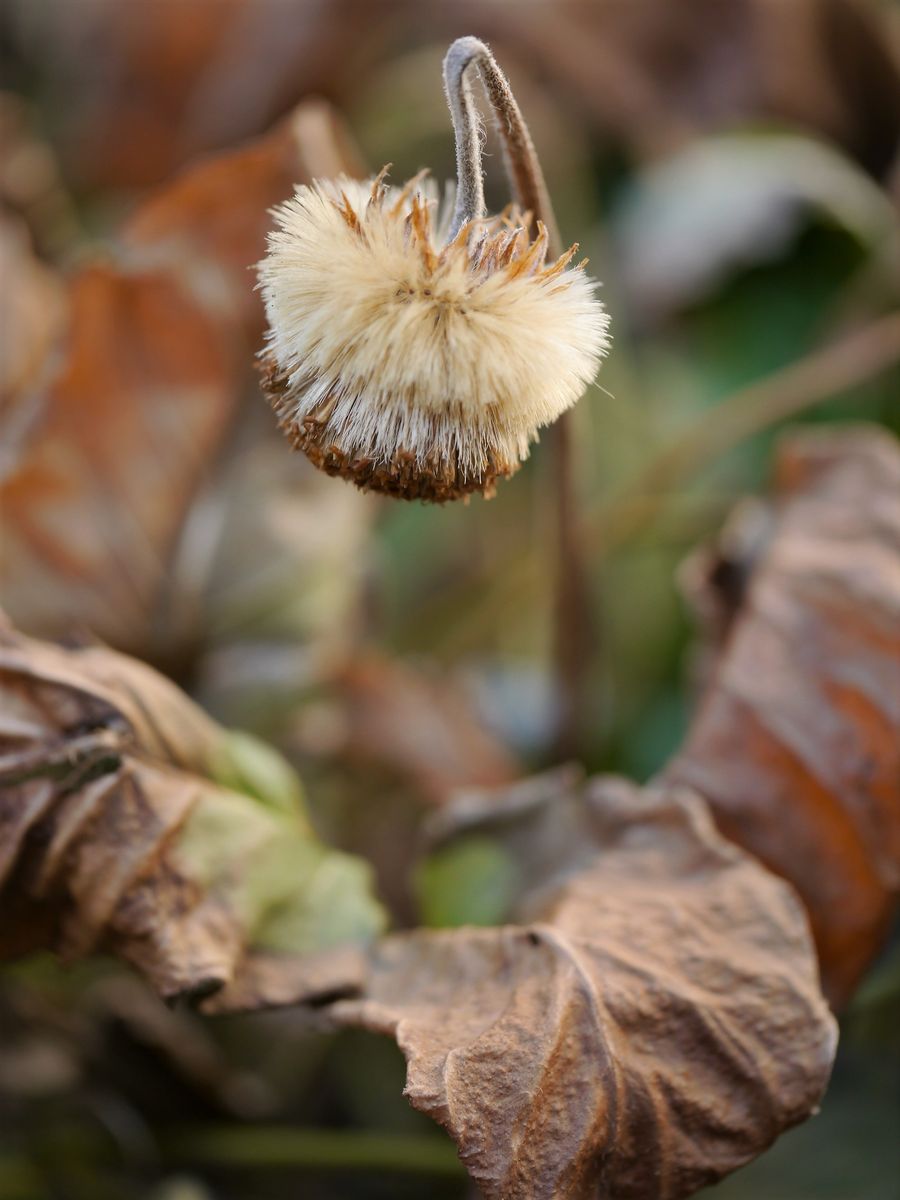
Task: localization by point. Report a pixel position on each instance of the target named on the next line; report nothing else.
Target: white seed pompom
(413, 367)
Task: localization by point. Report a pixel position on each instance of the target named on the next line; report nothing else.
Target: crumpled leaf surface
(796, 745)
(652, 1023)
(106, 516)
(115, 834)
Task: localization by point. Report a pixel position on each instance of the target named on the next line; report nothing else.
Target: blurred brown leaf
(654, 1023)
(654, 74)
(92, 503)
(125, 435)
(797, 742)
(181, 79)
(30, 182)
(403, 738)
(115, 835)
(416, 724)
(208, 225)
(32, 312)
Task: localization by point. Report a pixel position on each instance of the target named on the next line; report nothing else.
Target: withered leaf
(115, 834)
(208, 224)
(654, 1022)
(104, 491)
(796, 745)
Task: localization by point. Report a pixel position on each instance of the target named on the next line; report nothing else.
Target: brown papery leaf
(797, 742)
(131, 823)
(122, 438)
(655, 1022)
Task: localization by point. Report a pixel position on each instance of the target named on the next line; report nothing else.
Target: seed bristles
(391, 354)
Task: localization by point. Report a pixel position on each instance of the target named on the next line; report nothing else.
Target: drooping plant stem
(523, 167)
(573, 625)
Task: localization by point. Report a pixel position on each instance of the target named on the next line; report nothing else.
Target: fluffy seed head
(414, 365)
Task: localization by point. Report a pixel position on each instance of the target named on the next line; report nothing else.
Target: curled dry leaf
(654, 1022)
(797, 742)
(105, 517)
(116, 832)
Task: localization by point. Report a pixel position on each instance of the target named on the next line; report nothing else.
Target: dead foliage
(131, 823)
(116, 446)
(648, 1015)
(796, 745)
(650, 1022)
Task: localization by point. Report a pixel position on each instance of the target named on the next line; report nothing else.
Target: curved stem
(522, 165)
(573, 621)
(470, 204)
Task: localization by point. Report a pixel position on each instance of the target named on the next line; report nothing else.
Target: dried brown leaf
(797, 742)
(655, 1022)
(123, 435)
(207, 226)
(115, 835)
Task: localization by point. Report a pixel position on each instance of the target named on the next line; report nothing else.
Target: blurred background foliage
(732, 171)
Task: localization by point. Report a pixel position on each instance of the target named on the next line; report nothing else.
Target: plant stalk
(573, 626)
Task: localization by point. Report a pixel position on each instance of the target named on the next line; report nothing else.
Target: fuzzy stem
(470, 204)
(522, 165)
(573, 625)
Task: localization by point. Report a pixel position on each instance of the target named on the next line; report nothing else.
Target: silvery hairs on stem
(416, 347)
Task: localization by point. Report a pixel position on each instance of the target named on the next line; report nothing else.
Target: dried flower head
(417, 351)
